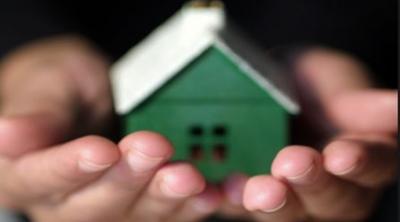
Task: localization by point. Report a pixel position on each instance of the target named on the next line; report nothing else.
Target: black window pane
(220, 130)
(219, 152)
(196, 130)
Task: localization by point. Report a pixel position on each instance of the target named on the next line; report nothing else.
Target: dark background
(364, 28)
(368, 29)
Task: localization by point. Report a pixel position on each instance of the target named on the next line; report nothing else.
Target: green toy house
(209, 90)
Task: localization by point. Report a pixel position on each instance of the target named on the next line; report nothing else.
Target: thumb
(37, 108)
(322, 76)
(367, 111)
(42, 97)
(326, 73)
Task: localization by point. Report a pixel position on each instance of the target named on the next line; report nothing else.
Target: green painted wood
(216, 117)
(212, 76)
(254, 134)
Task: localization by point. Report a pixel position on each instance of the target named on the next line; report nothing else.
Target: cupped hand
(347, 157)
(52, 92)
(57, 89)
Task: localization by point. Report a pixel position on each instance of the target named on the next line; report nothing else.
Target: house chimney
(206, 3)
(204, 15)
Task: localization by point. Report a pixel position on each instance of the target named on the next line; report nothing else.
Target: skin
(54, 91)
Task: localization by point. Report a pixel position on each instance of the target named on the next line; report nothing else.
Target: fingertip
(181, 180)
(37, 129)
(145, 151)
(96, 153)
(296, 164)
(264, 193)
(65, 167)
(149, 143)
(379, 107)
(343, 157)
(208, 201)
(233, 188)
(8, 132)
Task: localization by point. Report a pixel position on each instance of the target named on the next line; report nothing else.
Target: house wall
(216, 116)
(212, 76)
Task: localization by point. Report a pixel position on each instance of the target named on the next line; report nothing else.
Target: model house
(212, 92)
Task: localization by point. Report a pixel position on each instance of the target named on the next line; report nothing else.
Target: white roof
(168, 49)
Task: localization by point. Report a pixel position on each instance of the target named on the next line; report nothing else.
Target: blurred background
(364, 28)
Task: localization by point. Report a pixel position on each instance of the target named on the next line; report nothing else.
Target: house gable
(149, 66)
(212, 76)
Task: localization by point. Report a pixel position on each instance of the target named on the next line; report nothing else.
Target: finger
(370, 163)
(366, 111)
(199, 207)
(327, 73)
(232, 207)
(321, 75)
(60, 169)
(143, 153)
(323, 195)
(170, 188)
(270, 200)
(41, 130)
(35, 109)
(44, 89)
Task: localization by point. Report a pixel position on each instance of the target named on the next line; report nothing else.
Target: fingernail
(274, 209)
(344, 164)
(306, 177)
(89, 166)
(302, 175)
(344, 171)
(167, 190)
(140, 162)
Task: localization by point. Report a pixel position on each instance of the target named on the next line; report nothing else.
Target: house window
(219, 152)
(219, 130)
(196, 130)
(196, 152)
(215, 136)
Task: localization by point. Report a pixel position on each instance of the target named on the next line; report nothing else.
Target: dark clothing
(364, 28)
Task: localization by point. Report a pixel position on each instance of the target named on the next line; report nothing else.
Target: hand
(353, 125)
(53, 91)
(113, 185)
